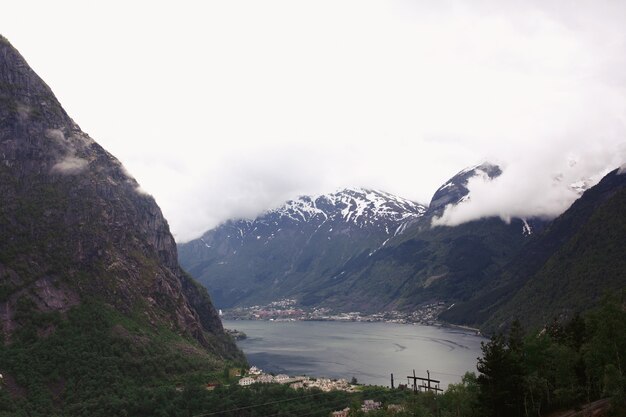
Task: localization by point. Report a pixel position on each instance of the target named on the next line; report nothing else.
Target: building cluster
(324, 384)
(267, 379)
(287, 310)
(257, 376)
(287, 302)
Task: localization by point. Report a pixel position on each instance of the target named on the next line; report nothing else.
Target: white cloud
(57, 136)
(222, 109)
(537, 183)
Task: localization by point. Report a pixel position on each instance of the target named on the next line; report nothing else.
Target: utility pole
(428, 380)
(392, 387)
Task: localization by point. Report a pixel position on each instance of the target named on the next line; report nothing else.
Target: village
(288, 310)
(257, 376)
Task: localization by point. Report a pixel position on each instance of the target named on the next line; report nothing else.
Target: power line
(443, 373)
(254, 406)
(336, 403)
(339, 401)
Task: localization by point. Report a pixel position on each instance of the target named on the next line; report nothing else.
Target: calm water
(368, 351)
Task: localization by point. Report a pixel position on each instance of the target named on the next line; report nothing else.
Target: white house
(244, 382)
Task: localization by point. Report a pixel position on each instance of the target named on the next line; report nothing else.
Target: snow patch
(526, 229)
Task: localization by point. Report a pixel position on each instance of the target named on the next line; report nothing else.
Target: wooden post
(428, 380)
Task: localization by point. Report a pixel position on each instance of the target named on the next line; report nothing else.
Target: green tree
(461, 400)
(605, 350)
(502, 373)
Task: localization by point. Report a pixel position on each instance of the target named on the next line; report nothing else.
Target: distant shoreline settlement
(288, 310)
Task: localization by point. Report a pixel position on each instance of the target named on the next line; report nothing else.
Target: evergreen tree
(502, 374)
(493, 372)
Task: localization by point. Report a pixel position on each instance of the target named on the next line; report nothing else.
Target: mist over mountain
(357, 249)
(578, 259)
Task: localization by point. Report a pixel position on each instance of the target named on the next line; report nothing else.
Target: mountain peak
(455, 189)
(355, 205)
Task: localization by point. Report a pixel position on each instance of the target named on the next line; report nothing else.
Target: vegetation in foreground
(83, 371)
(95, 361)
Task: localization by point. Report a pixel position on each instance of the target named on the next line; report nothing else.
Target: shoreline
(467, 329)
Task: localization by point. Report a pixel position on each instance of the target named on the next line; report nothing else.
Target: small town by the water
(289, 310)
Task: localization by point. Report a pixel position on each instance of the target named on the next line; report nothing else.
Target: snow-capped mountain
(358, 250)
(358, 206)
(351, 208)
(306, 236)
(339, 249)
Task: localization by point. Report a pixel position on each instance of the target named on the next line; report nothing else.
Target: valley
(339, 254)
(363, 210)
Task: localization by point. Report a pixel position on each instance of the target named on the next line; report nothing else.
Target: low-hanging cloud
(254, 104)
(70, 165)
(542, 184)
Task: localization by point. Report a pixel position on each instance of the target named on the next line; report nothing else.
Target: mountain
(92, 299)
(286, 251)
(578, 259)
(454, 191)
(426, 263)
(355, 250)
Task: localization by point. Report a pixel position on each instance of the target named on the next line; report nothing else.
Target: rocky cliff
(76, 227)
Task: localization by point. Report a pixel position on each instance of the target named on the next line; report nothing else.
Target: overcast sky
(223, 109)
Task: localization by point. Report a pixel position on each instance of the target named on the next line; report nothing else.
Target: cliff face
(74, 225)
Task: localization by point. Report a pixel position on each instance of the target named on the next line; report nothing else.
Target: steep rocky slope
(77, 234)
